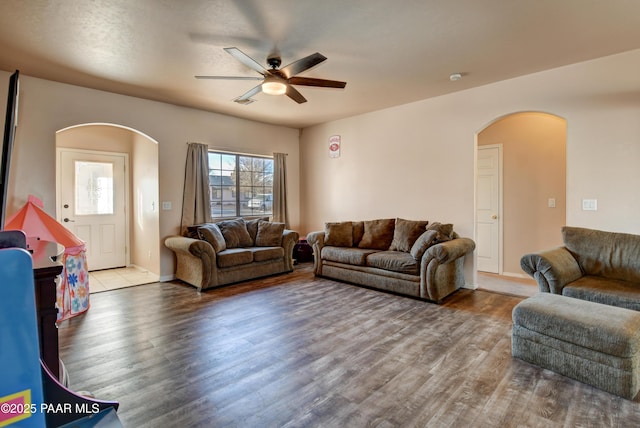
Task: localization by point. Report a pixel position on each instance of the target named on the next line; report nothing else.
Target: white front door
(92, 203)
(488, 221)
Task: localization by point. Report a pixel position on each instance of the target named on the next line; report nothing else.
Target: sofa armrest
(442, 268)
(552, 269)
(289, 240)
(316, 240)
(195, 261)
(448, 251)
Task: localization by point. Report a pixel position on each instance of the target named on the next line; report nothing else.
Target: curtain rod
(238, 153)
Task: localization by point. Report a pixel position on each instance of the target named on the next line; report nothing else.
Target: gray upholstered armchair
(594, 265)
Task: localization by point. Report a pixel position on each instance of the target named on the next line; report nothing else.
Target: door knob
(494, 217)
(66, 220)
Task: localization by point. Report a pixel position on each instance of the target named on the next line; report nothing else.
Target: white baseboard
(516, 275)
(470, 286)
(167, 278)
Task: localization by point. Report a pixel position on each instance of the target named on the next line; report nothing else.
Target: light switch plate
(166, 205)
(589, 205)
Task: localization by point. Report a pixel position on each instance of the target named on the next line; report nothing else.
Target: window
(240, 185)
(93, 188)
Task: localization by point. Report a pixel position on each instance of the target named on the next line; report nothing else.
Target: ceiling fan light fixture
(273, 86)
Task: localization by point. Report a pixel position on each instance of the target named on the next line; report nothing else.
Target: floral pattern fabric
(73, 288)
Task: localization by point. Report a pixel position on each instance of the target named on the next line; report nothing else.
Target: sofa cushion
(378, 234)
(358, 232)
(423, 242)
(405, 234)
(396, 261)
(261, 254)
(612, 292)
(252, 227)
(444, 231)
(211, 233)
(351, 256)
(235, 233)
(234, 257)
(608, 254)
(338, 234)
(602, 328)
(192, 231)
(269, 234)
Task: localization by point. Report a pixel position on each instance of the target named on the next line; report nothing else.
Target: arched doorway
(140, 249)
(531, 189)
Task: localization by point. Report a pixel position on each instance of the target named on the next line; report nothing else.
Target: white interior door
(488, 215)
(92, 203)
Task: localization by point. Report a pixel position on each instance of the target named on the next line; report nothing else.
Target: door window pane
(93, 188)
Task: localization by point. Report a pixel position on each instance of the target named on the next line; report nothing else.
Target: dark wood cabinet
(46, 269)
(302, 251)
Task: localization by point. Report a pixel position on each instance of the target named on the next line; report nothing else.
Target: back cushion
(358, 232)
(252, 227)
(608, 254)
(235, 233)
(338, 234)
(378, 234)
(211, 233)
(269, 234)
(405, 234)
(444, 232)
(423, 242)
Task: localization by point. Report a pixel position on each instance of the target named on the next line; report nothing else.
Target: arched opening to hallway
(521, 190)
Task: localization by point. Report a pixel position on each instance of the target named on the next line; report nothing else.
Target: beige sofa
(229, 251)
(397, 255)
(594, 265)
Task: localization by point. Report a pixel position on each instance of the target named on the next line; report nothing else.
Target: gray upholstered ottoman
(594, 343)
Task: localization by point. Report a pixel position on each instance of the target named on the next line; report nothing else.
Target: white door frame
(500, 201)
(59, 150)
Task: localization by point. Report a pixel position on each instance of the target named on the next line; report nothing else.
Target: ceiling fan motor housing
(274, 61)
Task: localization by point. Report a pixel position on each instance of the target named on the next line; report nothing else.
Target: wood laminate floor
(299, 351)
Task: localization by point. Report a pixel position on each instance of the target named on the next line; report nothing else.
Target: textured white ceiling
(390, 52)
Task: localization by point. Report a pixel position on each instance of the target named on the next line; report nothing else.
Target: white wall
(417, 161)
(46, 107)
(145, 219)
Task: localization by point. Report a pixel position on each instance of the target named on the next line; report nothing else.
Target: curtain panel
(196, 200)
(280, 209)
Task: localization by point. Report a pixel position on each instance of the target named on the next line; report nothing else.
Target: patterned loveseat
(402, 256)
(229, 251)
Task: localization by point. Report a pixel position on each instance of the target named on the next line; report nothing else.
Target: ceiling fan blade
(228, 77)
(245, 59)
(295, 95)
(249, 94)
(310, 81)
(303, 64)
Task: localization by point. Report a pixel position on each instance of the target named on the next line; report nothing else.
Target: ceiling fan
(278, 81)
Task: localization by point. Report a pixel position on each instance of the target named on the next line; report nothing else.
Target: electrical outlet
(552, 202)
(166, 205)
